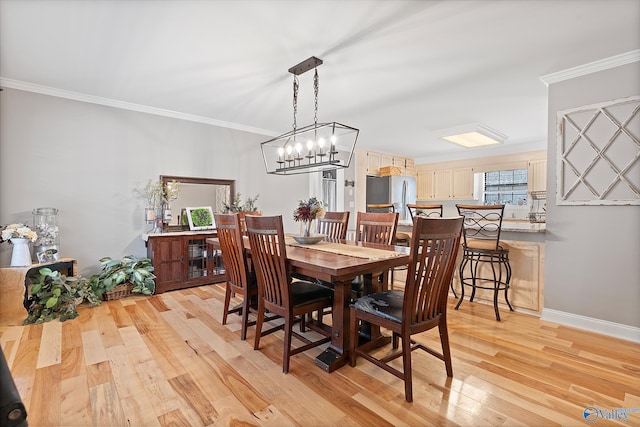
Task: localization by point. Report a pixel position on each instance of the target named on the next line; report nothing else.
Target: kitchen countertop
(517, 226)
(145, 236)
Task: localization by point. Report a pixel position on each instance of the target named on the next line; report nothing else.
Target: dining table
(338, 261)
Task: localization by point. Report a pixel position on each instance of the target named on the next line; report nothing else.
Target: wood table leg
(336, 354)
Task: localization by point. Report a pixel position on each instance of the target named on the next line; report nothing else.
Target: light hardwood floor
(167, 360)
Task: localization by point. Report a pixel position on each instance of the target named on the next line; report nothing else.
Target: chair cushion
(386, 304)
(484, 245)
(402, 237)
(303, 293)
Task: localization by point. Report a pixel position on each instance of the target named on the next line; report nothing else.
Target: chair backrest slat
(334, 225)
(232, 248)
(242, 215)
(433, 252)
(268, 252)
(376, 227)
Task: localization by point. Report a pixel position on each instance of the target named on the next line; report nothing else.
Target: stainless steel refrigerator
(399, 190)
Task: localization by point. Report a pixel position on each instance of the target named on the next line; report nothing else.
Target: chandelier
(312, 148)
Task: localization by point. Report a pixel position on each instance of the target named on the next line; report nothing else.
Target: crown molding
(76, 96)
(592, 67)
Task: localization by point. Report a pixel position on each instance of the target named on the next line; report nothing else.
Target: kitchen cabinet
(425, 185)
(462, 184)
(376, 160)
(386, 160)
(445, 184)
(183, 259)
(442, 182)
(373, 163)
(537, 171)
(527, 278)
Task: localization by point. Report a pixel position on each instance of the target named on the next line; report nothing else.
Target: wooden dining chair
(400, 238)
(240, 278)
(429, 211)
(374, 227)
(242, 215)
(334, 224)
(420, 307)
(276, 291)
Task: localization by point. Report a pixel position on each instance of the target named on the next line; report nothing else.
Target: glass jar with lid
(47, 246)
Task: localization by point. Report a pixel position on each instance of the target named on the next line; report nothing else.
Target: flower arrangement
(18, 231)
(308, 210)
(156, 195)
(237, 206)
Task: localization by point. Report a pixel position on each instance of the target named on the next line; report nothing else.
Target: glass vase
(306, 228)
(47, 245)
(157, 221)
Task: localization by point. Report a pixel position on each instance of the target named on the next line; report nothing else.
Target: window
(507, 187)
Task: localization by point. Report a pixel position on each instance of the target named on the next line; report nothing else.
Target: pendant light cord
(295, 102)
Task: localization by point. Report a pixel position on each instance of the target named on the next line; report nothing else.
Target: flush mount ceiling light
(311, 148)
(473, 135)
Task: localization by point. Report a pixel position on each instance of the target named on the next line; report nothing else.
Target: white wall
(86, 160)
(592, 252)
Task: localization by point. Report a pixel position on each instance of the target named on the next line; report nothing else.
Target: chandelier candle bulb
(320, 146)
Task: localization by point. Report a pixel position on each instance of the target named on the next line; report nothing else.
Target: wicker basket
(120, 291)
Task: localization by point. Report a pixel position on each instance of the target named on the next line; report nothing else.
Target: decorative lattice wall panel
(599, 154)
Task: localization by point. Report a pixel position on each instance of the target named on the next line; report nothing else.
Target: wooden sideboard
(183, 259)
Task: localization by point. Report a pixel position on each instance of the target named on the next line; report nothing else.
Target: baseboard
(599, 326)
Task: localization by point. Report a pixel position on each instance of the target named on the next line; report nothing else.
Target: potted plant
(121, 277)
(54, 295)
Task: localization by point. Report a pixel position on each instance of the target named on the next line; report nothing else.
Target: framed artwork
(200, 218)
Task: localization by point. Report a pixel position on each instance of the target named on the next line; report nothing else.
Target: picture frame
(200, 218)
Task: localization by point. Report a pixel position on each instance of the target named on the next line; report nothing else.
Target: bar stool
(427, 211)
(481, 245)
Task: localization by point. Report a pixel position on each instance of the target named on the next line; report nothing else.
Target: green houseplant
(138, 272)
(54, 295)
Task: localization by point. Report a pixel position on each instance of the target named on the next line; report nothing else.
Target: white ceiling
(397, 70)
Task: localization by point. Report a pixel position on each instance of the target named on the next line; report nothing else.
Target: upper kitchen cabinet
(386, 160)
(445, 184)
(425, 185)
(442, 183)
(462, 184)
(376, 160)
(537, 175)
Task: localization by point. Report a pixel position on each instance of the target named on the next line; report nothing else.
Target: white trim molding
(617, 330)
(76, 96)
(592, 67)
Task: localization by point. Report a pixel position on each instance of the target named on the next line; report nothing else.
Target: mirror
(195, 192)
